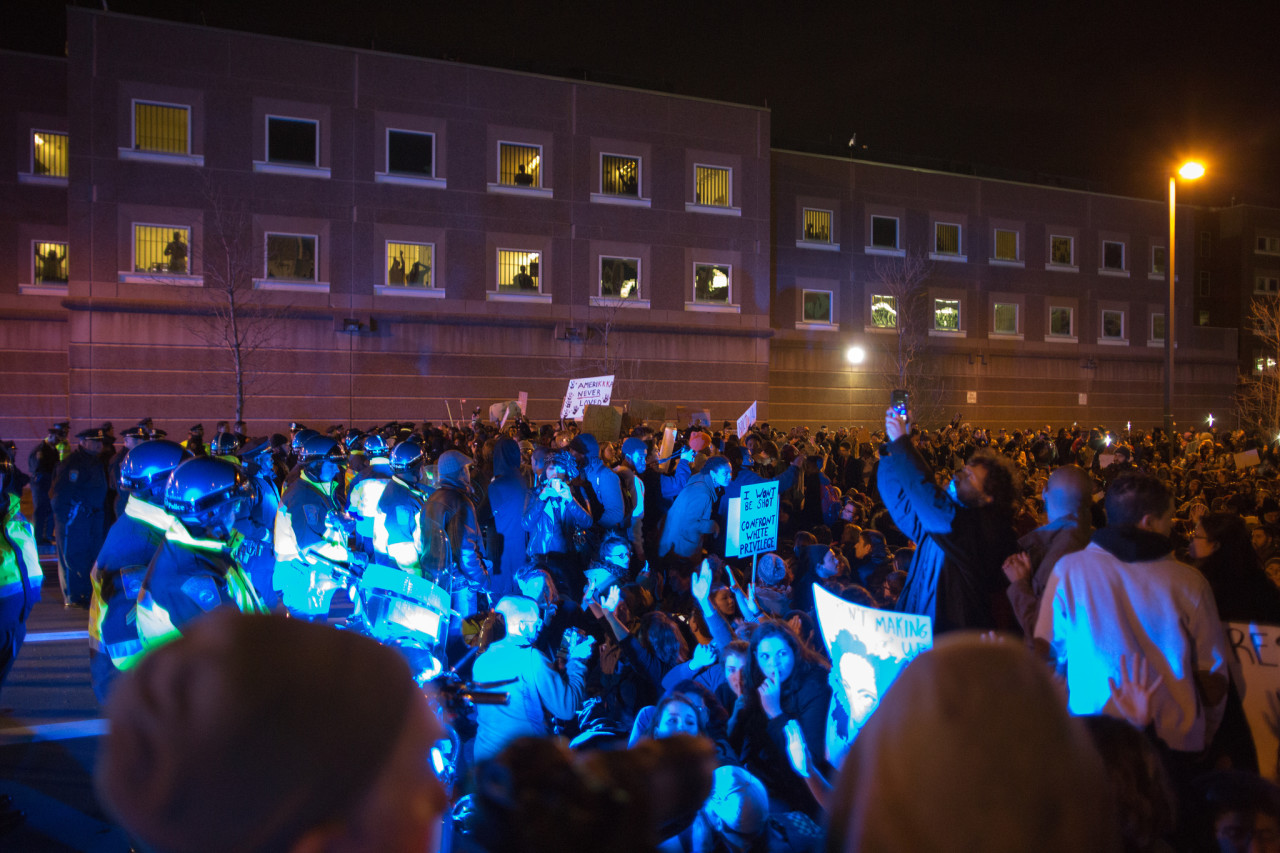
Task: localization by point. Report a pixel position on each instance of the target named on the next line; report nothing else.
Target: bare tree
(899, 301)
(1258, 392)
(233, 316)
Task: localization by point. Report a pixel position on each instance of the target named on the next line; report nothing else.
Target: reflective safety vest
(118, 586)
(306, 586)
(397, 527)
(19, 559)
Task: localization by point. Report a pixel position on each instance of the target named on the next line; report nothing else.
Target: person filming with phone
(962, 533)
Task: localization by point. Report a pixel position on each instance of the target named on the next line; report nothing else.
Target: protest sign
(604, 422)
(1257, 649)
(522, 400)
(644, 410)
(593, 390)
(700, 418)
(747, 419)
(753, 520)
(1247, 459)
(868, 649)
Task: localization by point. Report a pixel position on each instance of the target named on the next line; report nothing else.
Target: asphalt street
(50, 725)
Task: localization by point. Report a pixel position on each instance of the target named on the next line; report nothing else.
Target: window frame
(66, 259)
(699, 206)
(871, 325)
(872, 247)
(1274, 289)
(830, 322)
(1051, 264)
(1017, 319)
(1152, 271)
(1072, 336)
(831, 226)
(133, 250)
(415, 176)
(703, 304)
(1121, 270)
(959, 255)
(639, 301)
(314, 122)
(1267, 244)
(639, 196)
(533, 188)
(1204, 284)
(1103, 337)
(386, 268)
(1017, 246)
(266, 258)
(34, 177)
(133, 127)
(1152, 340)
(933, 313)
(513, 292)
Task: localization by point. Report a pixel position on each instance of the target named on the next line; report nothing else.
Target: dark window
(291, 141)
(884, 232)
(410, 153)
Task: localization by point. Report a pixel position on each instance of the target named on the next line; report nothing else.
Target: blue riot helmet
(224, 444)
(207, 493)
(316, 452)
(146, 469)
(300, 439)
(407, 459)
(258, 457)
(374, 445)
(351, 439)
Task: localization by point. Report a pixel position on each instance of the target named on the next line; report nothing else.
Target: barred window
(161, 249)
(1006, 318)
(712, 186)
(1062, 251)
(1112, 255)
(884, 311)
(519, 165)
(620, 175)
(1006, 245)
(293, 141)
(946, 315)
(711, 283)
(946, 238)
(1061, 322)
(409, 264)
(620, 278)
(816, 306)
(50, 263)
(161, 127)
(410, 153)
(291, 256)
(884, 232)
(49, 155)
(518, 271)
(817, 225)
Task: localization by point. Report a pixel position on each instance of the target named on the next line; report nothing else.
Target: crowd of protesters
(1080, 694)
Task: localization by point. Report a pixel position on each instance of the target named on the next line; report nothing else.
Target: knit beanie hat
(452, 467)
(248, 731)
(698, 441)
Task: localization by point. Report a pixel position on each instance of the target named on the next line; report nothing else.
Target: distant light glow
(1210, 419)
(1191, 170)
(855, 355)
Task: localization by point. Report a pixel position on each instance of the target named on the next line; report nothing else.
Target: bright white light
(1107, 441)
(855, 355)
(1210, 419)
(1191, 170)
(39, 139)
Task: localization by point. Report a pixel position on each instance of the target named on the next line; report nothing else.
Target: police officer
(20, 575)
(452, 508)
(114, 645)
(194, 442)
(132, 438)
(43, 464)
(79, 497)
(308, 545)
(194, 571)
(224, 446)
(255, 550)
(364, 490)
(397, 538)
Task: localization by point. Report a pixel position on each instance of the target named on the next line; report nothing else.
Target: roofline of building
(27, 55)
(408, 56)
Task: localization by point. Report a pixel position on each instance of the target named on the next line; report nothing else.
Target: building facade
(373, 237)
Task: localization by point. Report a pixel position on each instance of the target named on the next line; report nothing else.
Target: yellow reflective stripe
(243, 592)
(405, 554)
(155, 628)
(97, 609)
(285, 540)
(148, 514)
(178, 533)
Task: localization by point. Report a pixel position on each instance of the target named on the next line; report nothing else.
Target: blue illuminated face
(775, 658)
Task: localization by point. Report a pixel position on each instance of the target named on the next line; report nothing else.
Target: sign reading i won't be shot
(753, 521)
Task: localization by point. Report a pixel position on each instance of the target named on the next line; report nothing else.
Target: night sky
(1098, 95)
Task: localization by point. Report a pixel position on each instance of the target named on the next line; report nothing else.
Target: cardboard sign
(1257, 650)
(644, 410)
(522, 400)
(1246, 460)
(868, 649)
(747, 419)
(753, 520)
(593, 390)
(668, 445)
(700, 418)
(604, 422)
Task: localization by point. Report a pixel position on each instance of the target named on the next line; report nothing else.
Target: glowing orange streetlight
(1189, 171)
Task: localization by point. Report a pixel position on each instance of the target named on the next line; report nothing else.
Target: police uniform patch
(203, 591)
(314, 516)
(73, 475)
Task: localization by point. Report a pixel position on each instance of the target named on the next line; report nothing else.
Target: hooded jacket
(506, 500)
(451, 507)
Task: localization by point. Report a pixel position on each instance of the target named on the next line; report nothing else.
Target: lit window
(518, 271)
(620, 175)
(620, 278)
(1112, 255)
(49, 154)
(1269, 245)
(1113, 325)
(411, 153)
(409, 264)
(1062, 251)
(161, 127)
(1202, 318)
(816, 306)
(817, 225)
(884, 232)
(1263, 363)
(291, 257)
(50, 263)
(1268, 284)
(162, 249)
(293, 141)
(713, 186)
(1159, 260)
(1006, 245)
(946, 315)
(519, 165)
(1006, 318)
(946, 238)
(884, 311)
(1204, 282)
(1061, 322)
(711, 283)
(1157, 327)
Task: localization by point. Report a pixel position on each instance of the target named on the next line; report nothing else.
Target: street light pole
(1189, 170)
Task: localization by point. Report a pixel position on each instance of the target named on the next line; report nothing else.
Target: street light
(1188, 171)
(855, 355)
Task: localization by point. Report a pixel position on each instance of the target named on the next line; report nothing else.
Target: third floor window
(519, 165)
(163, 128)
(49, 155)
(713, 186)
(620, 175)
(293, 141)
(410, 153)
(817, 225)
(1006, 245)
